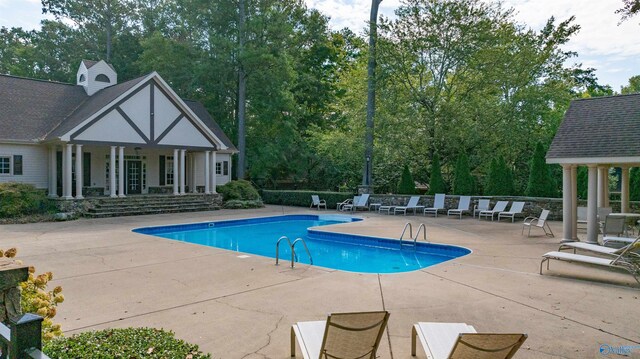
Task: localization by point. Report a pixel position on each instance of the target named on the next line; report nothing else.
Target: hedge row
(303, 198)
(19, 199)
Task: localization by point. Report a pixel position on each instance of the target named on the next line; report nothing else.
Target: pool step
(140, 205)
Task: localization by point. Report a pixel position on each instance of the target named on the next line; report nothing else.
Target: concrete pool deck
(243, 307)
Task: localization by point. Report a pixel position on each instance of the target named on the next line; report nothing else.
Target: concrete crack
(268, 340)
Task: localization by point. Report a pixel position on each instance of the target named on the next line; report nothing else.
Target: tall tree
(463, 180)
(632, 87)
(242, 90)
(629, 9)
(371, 93)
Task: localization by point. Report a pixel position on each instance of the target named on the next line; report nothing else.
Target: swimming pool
(347, 252)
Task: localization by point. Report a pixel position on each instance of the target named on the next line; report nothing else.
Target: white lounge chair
(342, 335)
(413, 204)
(438, 204)
(463, 206)
(361, 202)
(622, 260)
(499, 207)
(348, 201)
(540, 222)
(460, 340)
(516, 208)
(386, 208)
(317, 202)
(596, 248)
(483, 205)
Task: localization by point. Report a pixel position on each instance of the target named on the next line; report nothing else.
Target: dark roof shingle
(599, 127)
(204, 115)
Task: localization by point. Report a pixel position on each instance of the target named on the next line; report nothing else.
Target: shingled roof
(601, 127)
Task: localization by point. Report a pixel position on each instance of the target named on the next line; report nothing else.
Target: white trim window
(222, 168)
(168, 171)
(219, 168)
(5, 165)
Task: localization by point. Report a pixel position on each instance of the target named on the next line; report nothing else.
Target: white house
(99, 137)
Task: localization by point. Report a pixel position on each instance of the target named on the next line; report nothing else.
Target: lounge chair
(438, 204)
(499, 207)
(348, 201)
(614, 227)
(460, 340)
(596, 248)
(483, 205)
(463, 206)
(317, 202)
(386, 208)
(413, 204)
(624, 260)
(342, 335)
(516, 208)
(540, 222)
(361, 202)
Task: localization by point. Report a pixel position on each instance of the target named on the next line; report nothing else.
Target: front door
(134, 177)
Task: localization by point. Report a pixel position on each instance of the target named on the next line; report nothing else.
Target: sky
(612, 49)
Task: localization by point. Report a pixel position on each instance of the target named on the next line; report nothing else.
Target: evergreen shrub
(238, 190)
(436, 182)
(541, 183)
(406, 185)
(19, 199)
(463, 180)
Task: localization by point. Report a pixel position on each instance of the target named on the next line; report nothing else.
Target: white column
(182, 170)
(66, 177)
(592, 206)
(121, 171)
(624, 190)
(176, 178)
(194, 172)
(567, 195)
(112, 173)
(207, 174)
(606, 188)
(79, 172)
(213, 172)
(574, 202)
(53, 172)
(601, 187)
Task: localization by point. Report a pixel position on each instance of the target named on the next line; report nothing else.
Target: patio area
(243, 307)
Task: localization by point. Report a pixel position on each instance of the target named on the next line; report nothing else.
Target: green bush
(463, 182)
(239, 204)
(406, 185)
(541, 184)
(500, 179)
(436, 182)
(19, 199)
(302, 198)
(238, 190)
(123, 343)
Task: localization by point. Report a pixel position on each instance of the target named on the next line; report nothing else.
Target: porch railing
(22, 339)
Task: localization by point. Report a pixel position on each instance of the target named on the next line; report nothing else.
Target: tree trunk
(371, 94)
(242, 92)
(109, 31)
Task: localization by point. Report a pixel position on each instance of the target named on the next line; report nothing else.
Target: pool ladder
(422, 229)
(294, 257)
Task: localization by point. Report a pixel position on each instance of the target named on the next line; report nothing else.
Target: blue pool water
(346, 252)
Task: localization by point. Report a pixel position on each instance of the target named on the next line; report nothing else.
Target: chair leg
(413, 341)
(293, 343)
(541, 263)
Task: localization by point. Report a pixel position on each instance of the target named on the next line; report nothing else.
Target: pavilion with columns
(599, 133)
(104, 138)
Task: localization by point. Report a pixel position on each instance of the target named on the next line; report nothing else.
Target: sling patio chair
(540, 222)
(342, 335)
(516, 208)
(596, 248)
(413, 204)
(361, 202)
(499, 207)
(438, 204)
(613, 230)
(624, 259)
(460, 340)
(348, 201)
(483, 205)
(317, 202)
(463, 206)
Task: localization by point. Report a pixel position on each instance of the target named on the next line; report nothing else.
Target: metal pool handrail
(422, 228)
(293, 253)
(305, 247)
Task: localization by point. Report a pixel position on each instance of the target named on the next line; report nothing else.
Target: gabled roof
(204, 115)
(89, 64)
(600, 127)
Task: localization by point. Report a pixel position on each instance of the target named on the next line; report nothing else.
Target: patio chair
(596, 248)
(483, 205)
(342, 335)
(516, 208)
(460, 340)
(540, 222)
(362, 202)
(438, 204)
(348, 201)
(582, 217)
(624, 260)
(463, 206)
(614, 226)
(499, 207)
(386, 208)
(317, 202)
(413, 204)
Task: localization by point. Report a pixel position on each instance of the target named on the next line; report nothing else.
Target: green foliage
(123, 343)
(406, 185)
(463, 180)
(436, 182)
(19, 199)
(633, 86)
(302, 198)
(582, 179)
(238, 190)
(634, 184)
(541, 184)
(238, 204)
(499, 182)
